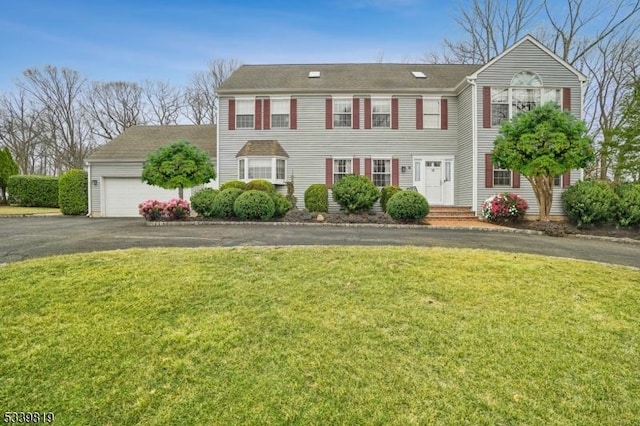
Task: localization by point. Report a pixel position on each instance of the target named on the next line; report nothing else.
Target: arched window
(526, 78)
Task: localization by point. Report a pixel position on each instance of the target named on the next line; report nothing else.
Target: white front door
(433, 178)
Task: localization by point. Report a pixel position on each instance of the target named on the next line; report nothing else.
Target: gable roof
(262, 148)
(347, 78)
(137, 142)
(542, 47)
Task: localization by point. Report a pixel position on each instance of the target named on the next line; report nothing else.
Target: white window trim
(253, 112)
(274, 168)
(424, 113)
(390, 160)
(333, 167)
(388, 100)
(334, 113)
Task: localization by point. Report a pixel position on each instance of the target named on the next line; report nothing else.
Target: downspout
(89, 189)
(583, 89)
(217, 185)
(474, 141)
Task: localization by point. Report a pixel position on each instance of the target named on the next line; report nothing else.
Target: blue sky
(170, 39)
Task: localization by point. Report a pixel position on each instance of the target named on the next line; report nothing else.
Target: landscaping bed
(563, 228)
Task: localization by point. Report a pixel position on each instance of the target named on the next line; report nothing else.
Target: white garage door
(122, 196)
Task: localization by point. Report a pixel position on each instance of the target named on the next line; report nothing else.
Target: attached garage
(115, 169)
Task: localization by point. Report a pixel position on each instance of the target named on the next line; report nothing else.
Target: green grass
(320, 336)
(22, 211)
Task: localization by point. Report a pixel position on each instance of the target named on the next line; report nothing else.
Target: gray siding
(526, 57)
(463, 191)
(311, 143)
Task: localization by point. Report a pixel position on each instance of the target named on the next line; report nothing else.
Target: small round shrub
(590, 202)
(254, 205)
(72, 192)
(233, 184)
(203, 200)
(504, 207)
(281, 203)
(355, 193)
(261, 185)
(177, 208)
(223, 204)
(407, 205)
(152, 209)
(385, 194)
(316, 198)
(628, 211)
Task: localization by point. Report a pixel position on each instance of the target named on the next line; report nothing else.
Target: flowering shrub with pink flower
(504, 207)
(177, 208)
(152, 209)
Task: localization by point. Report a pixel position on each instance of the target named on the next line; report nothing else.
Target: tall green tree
(8, 168)
(541, 144)
(627, 136)
(178, 165)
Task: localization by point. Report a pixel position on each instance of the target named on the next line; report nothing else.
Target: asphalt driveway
(29, 237)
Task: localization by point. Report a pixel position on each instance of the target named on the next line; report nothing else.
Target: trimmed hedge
(355, 193)
(316, 198)
(233, 184)
(33, 190)
(253, 205)
(73, 193)
(590, 202)
(408, 205)
(385, 195)
(223, 204)
(282, 205)
(202, 201)
(261, 185)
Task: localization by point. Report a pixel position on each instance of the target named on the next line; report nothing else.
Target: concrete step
(451, 213)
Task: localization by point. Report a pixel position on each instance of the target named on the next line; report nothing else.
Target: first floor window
(268, 168)
(341, 168)
(381, 172)
(557, 180)
(280, 113)
(431, 112)
(342, 113)
(501, 177)
(245, 109)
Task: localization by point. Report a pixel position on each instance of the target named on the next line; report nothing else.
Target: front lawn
(26, 211)
(320, 336)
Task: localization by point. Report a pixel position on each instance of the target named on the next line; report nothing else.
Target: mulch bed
(561, 229)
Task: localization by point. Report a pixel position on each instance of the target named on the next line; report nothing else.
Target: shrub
(282, 205)
(238, 184)
(261, 185)
(504, 207)
(316, 198)
(223, 204)
(203, 200)
(407, 205)
(291, 193)
(33, 190)
(628, 211)
(590, 202)
(254, 204)
(385, 194)
(355, 193)
(177, 208)
(72, 192)
(152, 209)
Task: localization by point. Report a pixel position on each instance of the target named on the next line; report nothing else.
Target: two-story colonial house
(428, 127)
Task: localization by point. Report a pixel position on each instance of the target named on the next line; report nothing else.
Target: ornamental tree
(8, 168)
(540, 144)
(179, 165)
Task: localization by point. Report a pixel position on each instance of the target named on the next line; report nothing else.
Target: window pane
(499, 113)
(526, 78)
(280, 121)
(244, 121)
(381, 173)
(551, 95)
(342, 120)
(280, 106)
(245, 107)
(525, 100)
(431, 122)
(280, 169)
(431, 106)
(501, 177)
(342, 113)
(241, 174)
(416, 171)
(381, 106)
(341, 168)
(259, 168)
(381, 120)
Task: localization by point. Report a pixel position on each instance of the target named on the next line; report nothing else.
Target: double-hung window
(431, 113)
(501, 177)
(381, 113)
(245, 108)
(342, 112)
(279, 113)
(341, 168)
(381, 172)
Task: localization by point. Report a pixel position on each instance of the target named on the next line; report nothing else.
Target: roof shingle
(262, 148)
(137, 142)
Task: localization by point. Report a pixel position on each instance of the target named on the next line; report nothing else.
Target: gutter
(474, 138)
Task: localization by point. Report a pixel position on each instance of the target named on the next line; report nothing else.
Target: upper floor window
(526, 78)
(245, 109)
(381, 113)
(431, 113)
(280, 113)
(342, 112)
(341, 168)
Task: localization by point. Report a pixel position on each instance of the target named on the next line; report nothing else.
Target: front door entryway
(433, 178)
